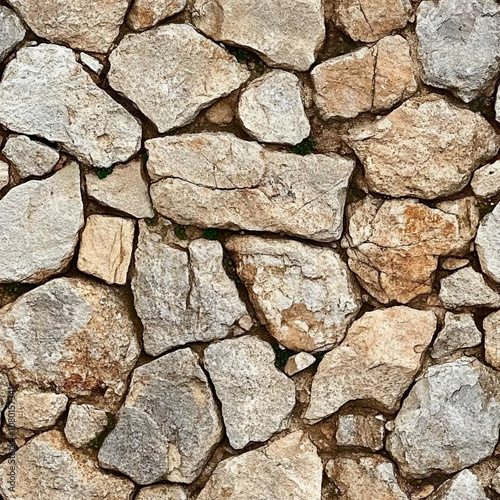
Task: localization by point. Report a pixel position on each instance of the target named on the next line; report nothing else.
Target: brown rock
(364, 431)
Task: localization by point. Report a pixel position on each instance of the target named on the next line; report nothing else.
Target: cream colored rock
(454, 263)
(106, 248)
(377, 361)
(418, 149)
(488, 244)
(172, 72)
(464, 485)
(147, 13)
(286, 35)
(84, 424)
(491, 327)
(370, 79)
(162, 492)
(4, 174)
(91, 62)
(298, 363)
(486, 180)
(12, 31)
(363, 431)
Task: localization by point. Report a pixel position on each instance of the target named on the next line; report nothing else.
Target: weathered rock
(369, 20)
(454, 263)
(495, 482)
(172, 72)
(369, 79)
(45, 92)
(182, 296)
(364, 431)
(284, 34)
(257, 399)
(84, 424)
(4, 174)
(491, 327)
(459, 331)
(73, 336)
(467, 288)
(91, 62)
(306, 296)
(359, 477)
(82, 24)
(223, 111)
(449, 421)
(169, 424)
(5, 391)
(125, 189)
(39, 225)
(486, 180)
(271, 109)
(48, 469)
(162, 492)
(464, 485)
(418, 149)
(394, 245)
(146, 13)
(377, 361)
(298, 363)
(286, 468)
(459, 45)
(488, 244)
(225, 182)
(12, 31)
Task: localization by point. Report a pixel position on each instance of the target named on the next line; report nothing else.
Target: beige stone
(486, 180)
(4, 174)
(364, 431)
(84, 423)
(147, 13)
(222, 112)
(298, 363)
(491, 327)
(162, 492)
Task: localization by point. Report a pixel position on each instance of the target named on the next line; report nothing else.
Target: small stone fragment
(488, 244)
(146, 13)
(454, 263)
(12, 31)
(4, 175)
(465, 485)
(5, 391)
(286, 468)
(298, 363)
(84, 424)
(486, 180)
(364, 431)
(91, 62)
(172, 72)
(257, 399)
(495, 482)
(491, 327)
(162, 492)
(222, 112)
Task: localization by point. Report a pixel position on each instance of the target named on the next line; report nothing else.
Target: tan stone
(491, 327)
(364, 431)
(162, 492)
(298, 362)
(84, 423)
(147, 13)
(222, 112)
(486, 180)
(4, 174)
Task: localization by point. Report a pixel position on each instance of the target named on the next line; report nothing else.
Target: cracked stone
(162, 492)
(147, 13)
(12, 31)
(488, 244)
(298, 363)
(4, 175)
(486, 181)
(364, 431)
(464, 485)
(84, 424)
(491, 325)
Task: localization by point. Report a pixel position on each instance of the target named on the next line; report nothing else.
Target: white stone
(91, 62)
(491, 326)
(147, 13)
(84, 424)
(298, 363)
(465, 485)
(12, 31)
(486, 180)
(4, 174)
(488, 244)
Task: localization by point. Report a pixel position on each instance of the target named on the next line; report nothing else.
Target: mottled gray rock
(459, 45)
(39, 226)
(488, 244)
(84, 424)
(162, 492)
(147, 13)
(12, 31)
(486, 180)
(257, 399)
(4, 174)
(298, 362)
(172, 72)
(169, 424)
(465, 485)
(364, 431)
(45, 92)
(449, 421)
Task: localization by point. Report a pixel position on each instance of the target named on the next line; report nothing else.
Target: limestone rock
(284, 34)
(84, 424)
(4, 174)
(182, 296)
(90, 25)
(491, 327)
(370, 79)
(363, 431)
(91, 62)
(486, 180)
(271, 109)
(377, 361)
(5, 391)
(39, 225)
(47, 468)
(305, 296)
(298, 363)
(369, 20)
(450, 419)
(162, 492)
(418, 149)
(45, 92)
(459, 45)
(72, 336)
(459, 331)
(220, 181)
(257, 399)
(12, 31)
(286, 468)
(169, 424)
(464, 485)
(172, 72)
(488, 244)
(146, 13)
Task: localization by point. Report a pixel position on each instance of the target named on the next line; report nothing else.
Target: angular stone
(82, 24)
(418, 149)
(47, 468)
(172, 72)
(305, 296)
(284, 34)
(366, 80)
(4, 174)
(364, 431)
(488, 244)
(450, 419)
(91, 62)
(162, 492)
(45, 92)
(125, 189)
(12, 31)
(454, 263)
(459, 45)
(286, 468)
(377, 361)
(486, 180)
(5, 391)
(257, 399)
(39, 225)
(233, 184)
(182, 296)
(298, 363)
(464, 485)
(72, 336)
(146, 13)
(495, 482)
(84, 424)
(169, 424)
(491, 325)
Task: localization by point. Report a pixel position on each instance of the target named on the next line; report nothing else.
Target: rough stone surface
(488, 244)
(84, 424)
(162, 492)
(364, 431)
(194, 72)
(220, 181)
(284, 34)
(45, 92)
(91, 62)
(5, 394)
(298, 363)
(48, 469)
(305, 295)
(491, 325)
(449, 420)
(146, 13)
(418, 149)
(459, 45)
(169, 424)
(486, 180)
(12, 31)
(286, 468)
(4, 174)
(377, 361)
(70, 335)
(366, 80)
(257, 399)
(465, 485)
(39, 225)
